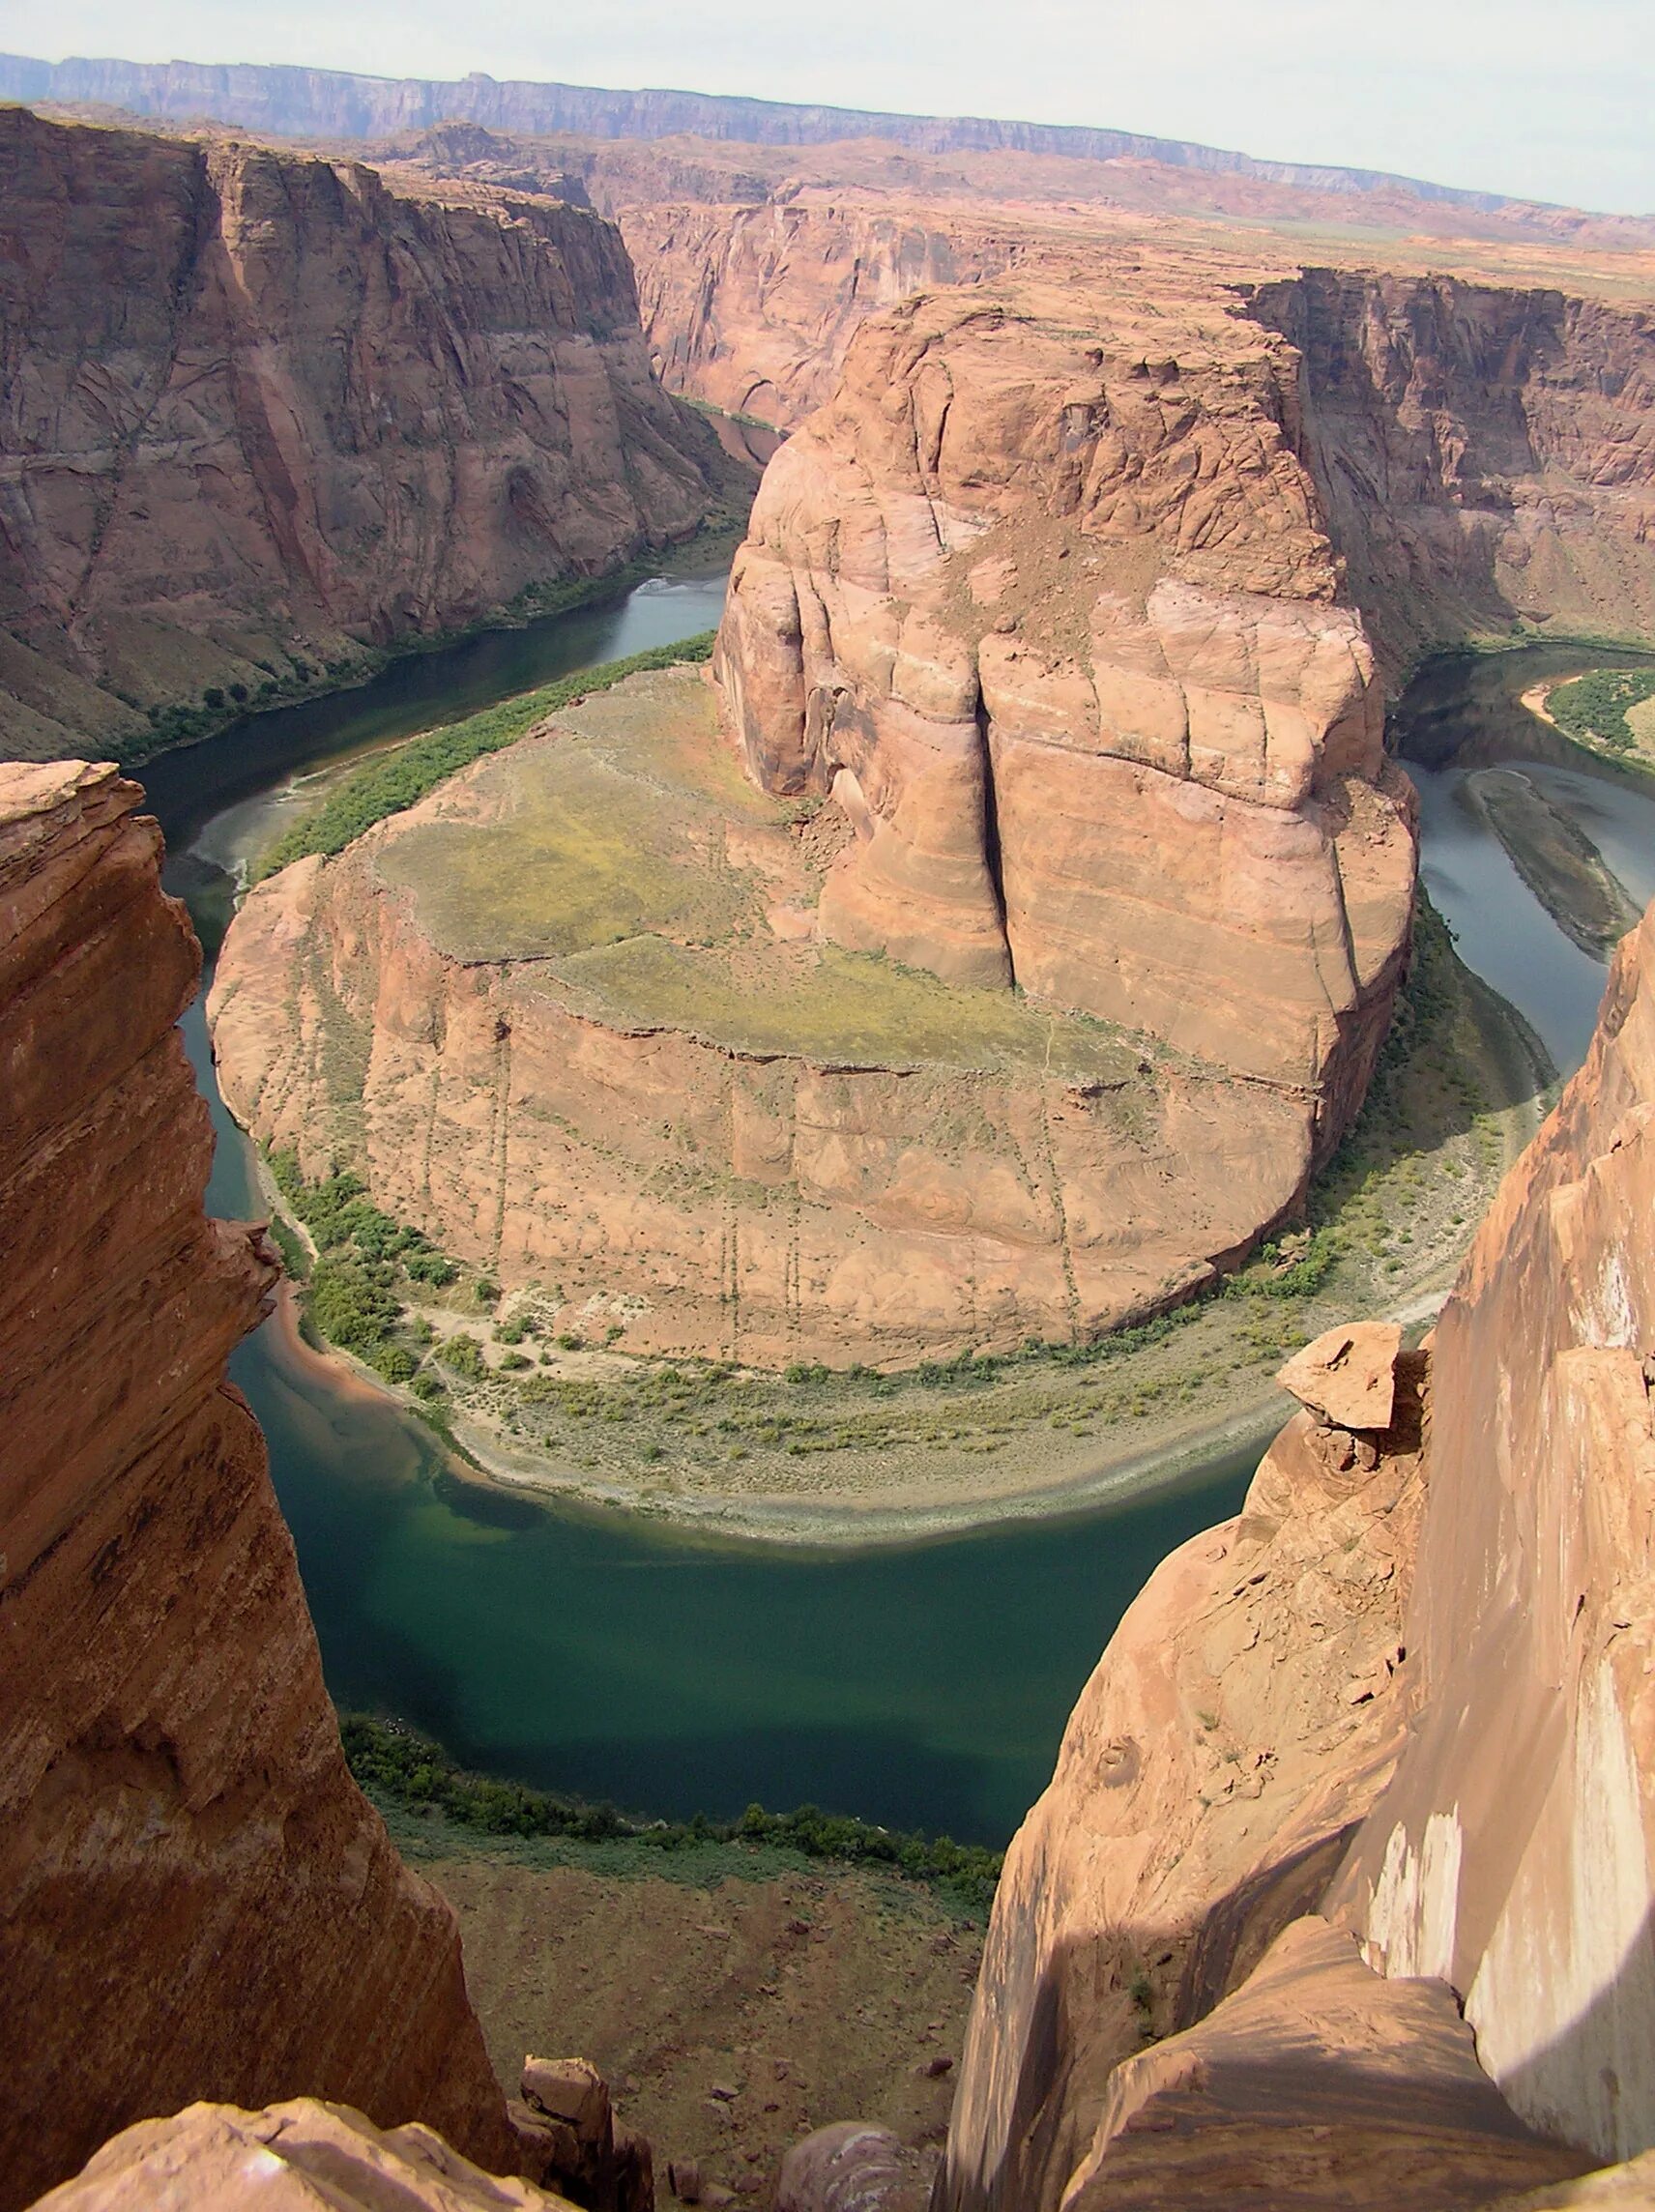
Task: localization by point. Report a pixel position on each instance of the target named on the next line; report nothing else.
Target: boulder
(1347, 1377)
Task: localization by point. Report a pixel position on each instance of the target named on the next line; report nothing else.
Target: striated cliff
(195, 1900)
(753, 307)
(261, 413)
(1043, 601)
(1483, 452)
(575, 1015)
(1405, 1695)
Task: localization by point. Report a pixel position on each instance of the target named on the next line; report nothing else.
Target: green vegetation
(1593, 709)
(365, 1262)
(399, 1768)
(399, 780)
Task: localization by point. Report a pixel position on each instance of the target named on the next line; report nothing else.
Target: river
(922, 1685)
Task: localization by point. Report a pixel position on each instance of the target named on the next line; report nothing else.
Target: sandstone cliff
(1511, 1853)
(195, 1900)
(571, 1017)
(1483, 452)
(1406, 1690)
(261, 413)
(1042, 600)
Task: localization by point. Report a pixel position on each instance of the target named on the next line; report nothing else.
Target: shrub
(464, 1355)
(394, 1765)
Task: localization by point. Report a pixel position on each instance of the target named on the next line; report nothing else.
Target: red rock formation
(259, 408)
(1484, 450)
(879, 1170)
(298, 2157)
(1512, 1853)
(195, 1900)
(1049, 611)
(1239, 1724)
(1435, 1716)
(1316, 2083)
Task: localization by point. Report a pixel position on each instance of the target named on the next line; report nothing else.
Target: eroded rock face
(259, 409)
(1461, 1679)
(1485, 451)
(1512, 1852)
(1239, 1724)
(304, 2156)
(195, 1900)
(767, 1147)
(1317, 2082)
(1052, 614)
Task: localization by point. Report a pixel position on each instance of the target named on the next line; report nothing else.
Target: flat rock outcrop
(262, 412)
(195, 1899)
(303, 2156)
(573, 1015)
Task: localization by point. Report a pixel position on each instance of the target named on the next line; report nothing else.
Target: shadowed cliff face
(195, 1900)
(1482, 453)
(259, 408)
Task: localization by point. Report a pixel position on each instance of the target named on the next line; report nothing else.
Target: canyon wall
(1042, 602)
(1484, 453)
(333, 102)
(1405, 1695)
(752, 309)
(261, 413)
(195, 1900)
(1512, 1851)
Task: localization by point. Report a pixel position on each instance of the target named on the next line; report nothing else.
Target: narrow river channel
(922, 1685)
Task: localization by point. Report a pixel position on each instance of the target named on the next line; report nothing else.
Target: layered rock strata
(195, 1900)
(573, 1015)
(1485, 452)
(1241, 1721)
(1043, 600)
(332, 101)
(261, 412)
(1407, 1692)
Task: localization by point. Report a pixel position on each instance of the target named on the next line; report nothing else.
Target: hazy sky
(1549, 99)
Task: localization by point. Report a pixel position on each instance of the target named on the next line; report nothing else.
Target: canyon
(992, 942)
(1062, 626)
(265, 419)
(1069, 969)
